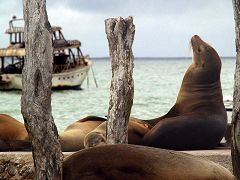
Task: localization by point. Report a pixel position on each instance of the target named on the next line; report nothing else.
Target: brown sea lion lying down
(73, 136)
(136, 131)
(13, 135)
(11, 128)
(139, 163)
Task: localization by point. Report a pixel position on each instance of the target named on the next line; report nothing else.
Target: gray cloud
(136, 6)
(163, 28)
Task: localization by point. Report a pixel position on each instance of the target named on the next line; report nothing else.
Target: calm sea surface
(156, 81)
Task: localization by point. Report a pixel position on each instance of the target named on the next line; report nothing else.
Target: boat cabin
(70, 66)
(66, 53)
(16, 33)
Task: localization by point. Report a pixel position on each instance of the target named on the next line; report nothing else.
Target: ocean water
(156, 85)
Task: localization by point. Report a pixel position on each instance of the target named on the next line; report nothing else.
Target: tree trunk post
(36, 92)
(235, 149)
(120, 34)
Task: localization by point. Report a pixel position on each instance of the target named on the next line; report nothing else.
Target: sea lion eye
(199, 49)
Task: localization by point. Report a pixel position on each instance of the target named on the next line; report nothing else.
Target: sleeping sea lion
(136, 131)
(130, 162)
(15, 145)
(13, 135)
(73, 136)
(12, 129)
(198, 120)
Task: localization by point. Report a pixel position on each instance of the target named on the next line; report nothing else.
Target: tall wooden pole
(235, 150)
(120, 34)
(36, 92)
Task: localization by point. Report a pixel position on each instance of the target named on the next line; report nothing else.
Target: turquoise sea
(157, 82)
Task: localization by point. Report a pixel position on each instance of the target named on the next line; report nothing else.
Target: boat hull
(71, 79)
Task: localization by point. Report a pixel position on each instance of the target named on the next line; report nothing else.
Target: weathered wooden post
(120, 34)
(235, 150)
(36, 92)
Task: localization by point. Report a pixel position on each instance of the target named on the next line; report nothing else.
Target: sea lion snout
(196, 38)
(201, 51)
(197, 44)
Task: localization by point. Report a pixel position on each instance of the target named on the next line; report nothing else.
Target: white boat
(70, 67)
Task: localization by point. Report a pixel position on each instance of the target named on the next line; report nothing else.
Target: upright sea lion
(198, 120)
(139, 163)
(136, 131)
(228, 135)
(73, 136)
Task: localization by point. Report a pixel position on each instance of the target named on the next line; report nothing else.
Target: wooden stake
(120, 34)
(36, 92)
(235, 149)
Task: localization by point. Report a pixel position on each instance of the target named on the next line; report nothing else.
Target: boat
(70, 66)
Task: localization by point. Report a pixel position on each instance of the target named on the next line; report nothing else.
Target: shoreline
(19, 165)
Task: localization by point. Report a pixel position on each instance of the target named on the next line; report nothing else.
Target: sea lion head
(206, 64)
(93, 139)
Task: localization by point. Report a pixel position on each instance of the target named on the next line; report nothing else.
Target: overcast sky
(163, 28)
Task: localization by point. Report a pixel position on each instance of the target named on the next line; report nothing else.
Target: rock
(11, 169)
(2, 168)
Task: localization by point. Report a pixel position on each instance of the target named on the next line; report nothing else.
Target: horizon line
(161, 57)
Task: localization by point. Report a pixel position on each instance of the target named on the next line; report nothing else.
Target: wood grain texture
(120, 34)
(36, 92)
(235, 150)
